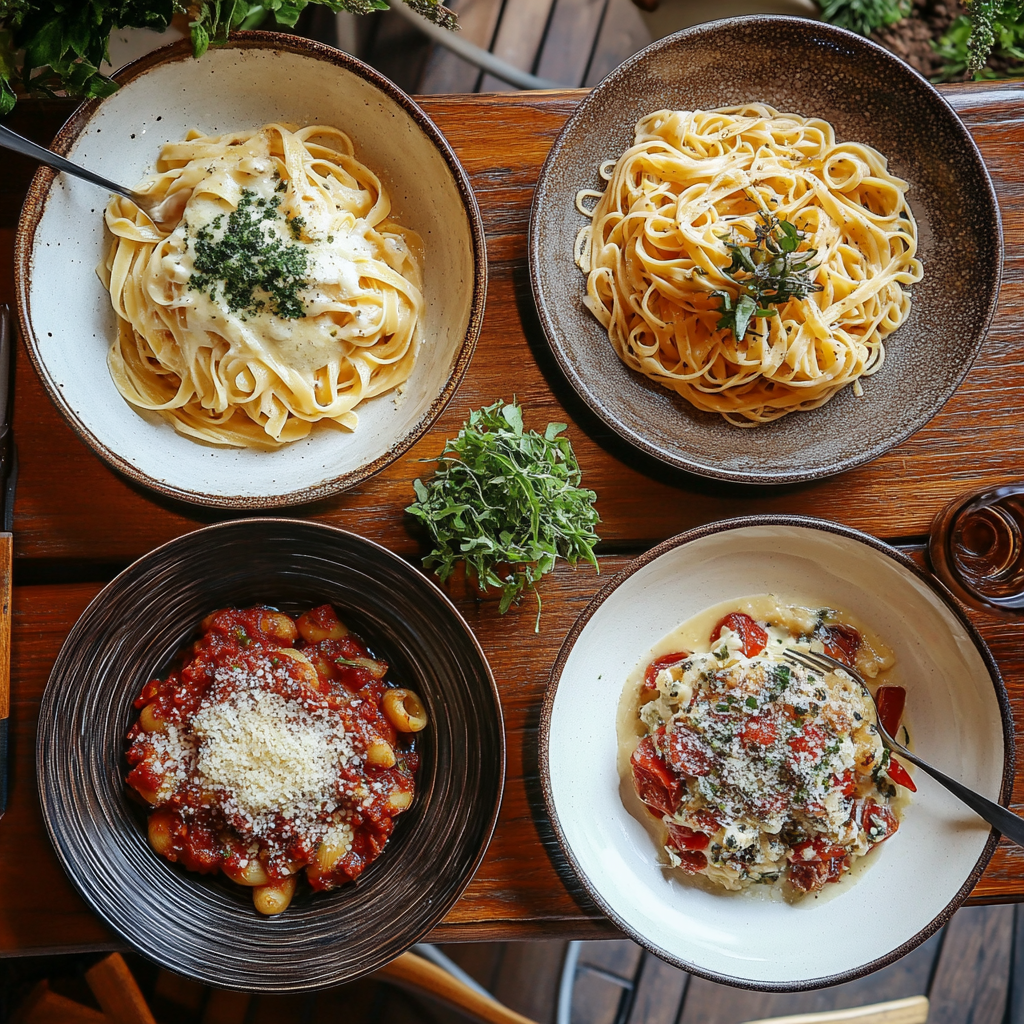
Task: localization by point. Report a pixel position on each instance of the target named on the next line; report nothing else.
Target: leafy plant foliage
(769, 272)
(507, 503)
(994, 29)
(991, 28)
(864, 16)
(65, 41)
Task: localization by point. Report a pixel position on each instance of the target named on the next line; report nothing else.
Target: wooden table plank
(447, 72)
(76, 516)
(970, 443)
(523, 888)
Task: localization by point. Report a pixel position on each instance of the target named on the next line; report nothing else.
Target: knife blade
(8, 477)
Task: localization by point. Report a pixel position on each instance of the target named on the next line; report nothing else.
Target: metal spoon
(158, 210)
(1005, 820)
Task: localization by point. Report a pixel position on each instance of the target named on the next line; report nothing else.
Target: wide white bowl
(955, 699)
(259, 77)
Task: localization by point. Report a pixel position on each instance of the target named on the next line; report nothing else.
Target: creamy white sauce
(693, 636)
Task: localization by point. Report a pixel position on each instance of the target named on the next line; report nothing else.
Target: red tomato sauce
(340, 686)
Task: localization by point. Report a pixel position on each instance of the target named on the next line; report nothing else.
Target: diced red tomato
(682, 838)
(202, 852)
(841, 642)
(754, 637)
(816, 849)
(706, 821)
(688, 753)
(810, 741)
(810, 876)
(877, 821)
(665, 661)
(845, 783)
(900, 775)
(693, 861)
(890, 701)
(814, 863)
(759, 730)
(654, 781)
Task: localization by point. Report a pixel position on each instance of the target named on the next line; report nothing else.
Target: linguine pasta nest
(655, 254)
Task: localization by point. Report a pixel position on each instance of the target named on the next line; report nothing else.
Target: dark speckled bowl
(207, 927)
(870, 96)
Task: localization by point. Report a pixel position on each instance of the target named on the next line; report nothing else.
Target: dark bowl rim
(682, 460)
(35, 205)
(825, 526)
(487, 833)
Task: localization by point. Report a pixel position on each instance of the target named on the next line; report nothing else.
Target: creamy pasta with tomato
(756, 769)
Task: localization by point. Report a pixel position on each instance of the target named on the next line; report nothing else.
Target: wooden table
(77, 523)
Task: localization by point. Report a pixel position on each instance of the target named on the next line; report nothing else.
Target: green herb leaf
(51, 45)
(506, 502)
(249, 265)
(766, 272)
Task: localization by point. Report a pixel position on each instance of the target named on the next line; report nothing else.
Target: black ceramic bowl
(206, 927)
(869, 96)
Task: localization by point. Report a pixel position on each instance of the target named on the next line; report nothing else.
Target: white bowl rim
(35, 205)
(739, 523)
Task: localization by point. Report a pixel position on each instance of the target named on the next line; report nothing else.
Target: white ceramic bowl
(259, 77)
(955, 699)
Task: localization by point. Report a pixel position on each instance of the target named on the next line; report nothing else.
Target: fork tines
(819, 662)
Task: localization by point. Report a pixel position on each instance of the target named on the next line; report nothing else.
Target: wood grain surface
(77, 520)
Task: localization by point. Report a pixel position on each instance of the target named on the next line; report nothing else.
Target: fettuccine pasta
(655, 254)
(281, 295)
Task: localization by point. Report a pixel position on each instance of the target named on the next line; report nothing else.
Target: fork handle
(1010, 824)
(26, 147)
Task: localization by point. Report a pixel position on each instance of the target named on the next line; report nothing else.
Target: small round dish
(869, 96)
(257, 78)
(955, 700)
(203, 926)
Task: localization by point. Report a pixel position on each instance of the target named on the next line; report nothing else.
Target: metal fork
(158, 210)
(996, 815)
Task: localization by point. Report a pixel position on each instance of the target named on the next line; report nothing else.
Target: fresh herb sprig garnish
(506, 502)
(251, 266)
(767, 272)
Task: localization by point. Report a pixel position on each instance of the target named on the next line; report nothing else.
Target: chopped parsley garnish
(249, 264)
(767, 273)
(296, 224)
(507, 503)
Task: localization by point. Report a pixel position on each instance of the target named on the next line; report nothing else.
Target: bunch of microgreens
(65, 41)
(507, 503)
(766, 272)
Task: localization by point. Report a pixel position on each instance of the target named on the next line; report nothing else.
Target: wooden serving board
(77, 522)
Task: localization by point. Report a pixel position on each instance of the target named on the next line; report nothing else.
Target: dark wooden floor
(972, 971)
(570, 42)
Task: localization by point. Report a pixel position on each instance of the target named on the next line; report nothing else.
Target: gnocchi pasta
(276, 746)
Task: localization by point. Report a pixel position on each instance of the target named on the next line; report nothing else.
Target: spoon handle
(11, 140)
(1010, 824)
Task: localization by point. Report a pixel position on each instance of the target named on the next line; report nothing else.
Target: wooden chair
(111, 982)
